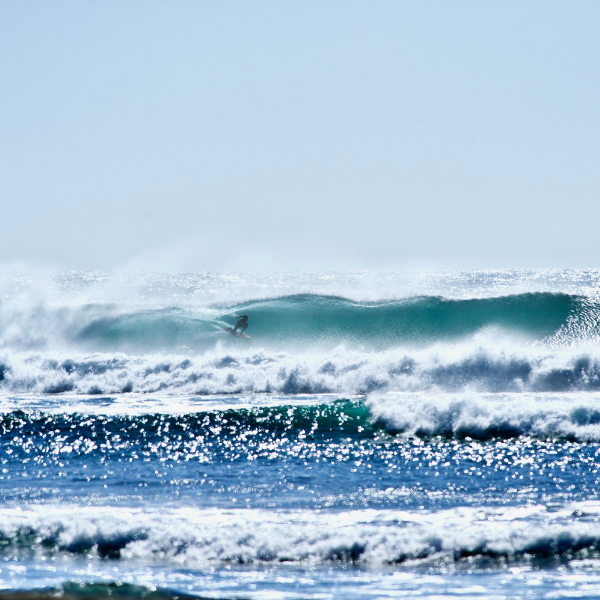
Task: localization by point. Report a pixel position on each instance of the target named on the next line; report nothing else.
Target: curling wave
(296, 322)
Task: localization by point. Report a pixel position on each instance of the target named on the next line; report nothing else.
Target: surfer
(241, 324)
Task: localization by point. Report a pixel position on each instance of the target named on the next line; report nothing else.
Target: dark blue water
(284, 456)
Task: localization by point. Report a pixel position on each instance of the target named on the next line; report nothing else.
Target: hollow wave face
(420, 320)
(297, 323)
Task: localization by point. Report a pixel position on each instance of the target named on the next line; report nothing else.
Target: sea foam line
(192, 536)
(484, 364)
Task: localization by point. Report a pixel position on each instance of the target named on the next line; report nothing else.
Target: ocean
(431, 434)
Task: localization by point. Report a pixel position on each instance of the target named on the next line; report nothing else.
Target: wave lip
(477, 537)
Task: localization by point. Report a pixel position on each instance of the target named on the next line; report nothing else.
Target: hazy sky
(300, 134)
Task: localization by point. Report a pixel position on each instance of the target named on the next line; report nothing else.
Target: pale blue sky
(300, 134)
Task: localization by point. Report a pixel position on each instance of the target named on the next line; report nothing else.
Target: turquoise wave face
(150, 331)
(415, 320)
(312, 320)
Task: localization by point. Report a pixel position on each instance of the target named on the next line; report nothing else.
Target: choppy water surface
(380, 434)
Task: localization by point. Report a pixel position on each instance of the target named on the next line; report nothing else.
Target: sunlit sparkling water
(381, 434)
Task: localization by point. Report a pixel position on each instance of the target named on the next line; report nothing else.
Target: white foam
(191, 536)
(484, 364)
(484, 416)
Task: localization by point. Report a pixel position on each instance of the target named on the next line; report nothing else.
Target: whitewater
(427, 434)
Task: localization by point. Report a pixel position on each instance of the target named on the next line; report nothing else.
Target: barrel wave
(298, 321)
(419, 320)
(306, 344)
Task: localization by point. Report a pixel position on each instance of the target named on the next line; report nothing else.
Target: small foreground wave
(108, 428)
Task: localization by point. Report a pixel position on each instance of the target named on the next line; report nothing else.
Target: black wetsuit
(241, 324)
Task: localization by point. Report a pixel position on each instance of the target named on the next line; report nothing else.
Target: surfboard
(239, 334)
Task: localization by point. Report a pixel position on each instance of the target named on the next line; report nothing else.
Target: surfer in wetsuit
(241, 324)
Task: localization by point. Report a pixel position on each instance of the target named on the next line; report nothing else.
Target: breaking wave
(483, 364)
(473, 537)
(487, 417)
